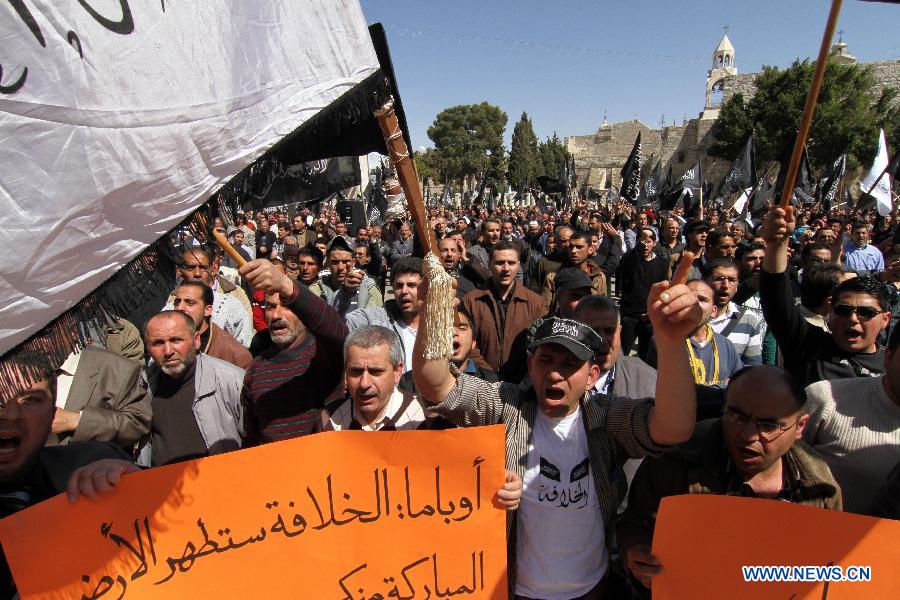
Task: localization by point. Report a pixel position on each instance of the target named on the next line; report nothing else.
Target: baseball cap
(572, 278)
(697, 226)
(340, 243)
(577, 338)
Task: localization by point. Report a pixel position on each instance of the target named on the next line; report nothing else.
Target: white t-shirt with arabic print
(560, 546)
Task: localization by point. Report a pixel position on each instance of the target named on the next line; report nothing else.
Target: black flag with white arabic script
(650, 189)
(631, 173)
(742, 174)
(831, 184)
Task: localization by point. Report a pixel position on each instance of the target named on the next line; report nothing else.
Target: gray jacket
(217, 405)
(367, 295)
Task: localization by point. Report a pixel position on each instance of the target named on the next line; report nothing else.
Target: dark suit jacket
(113, 396)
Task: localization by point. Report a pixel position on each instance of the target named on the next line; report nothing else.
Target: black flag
(759, 203)
(631, 173)
(651, 187)
(742, 174)
(377, 202)
(831, 183)
(804, 182)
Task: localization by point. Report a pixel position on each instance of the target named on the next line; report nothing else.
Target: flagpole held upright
(810, 107)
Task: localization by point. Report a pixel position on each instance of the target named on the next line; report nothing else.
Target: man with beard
(737, 323)
(754, 451)
(401, 314)
(860, 310)
(501, 312)
(490, 235)
(196, 398)
(194, 299)
(299, 366)
(578, 255)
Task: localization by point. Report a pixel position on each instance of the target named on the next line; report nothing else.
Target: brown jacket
(222, 345)
(495, 336)
(598, 283)
(702, 466)
(112, 395)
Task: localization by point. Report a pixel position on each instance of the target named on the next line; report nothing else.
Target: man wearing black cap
(568, 447)
(347, 288)
(572, 284)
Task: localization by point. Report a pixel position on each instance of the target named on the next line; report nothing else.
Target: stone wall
(600, 157)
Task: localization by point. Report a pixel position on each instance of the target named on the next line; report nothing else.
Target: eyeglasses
(723, 278)
(864, 313)
(768, 430)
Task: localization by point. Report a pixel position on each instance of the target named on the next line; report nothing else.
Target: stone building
(599, 157)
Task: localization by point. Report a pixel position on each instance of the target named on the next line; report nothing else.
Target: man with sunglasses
(754, 451)
(855, 426)
(860, 310)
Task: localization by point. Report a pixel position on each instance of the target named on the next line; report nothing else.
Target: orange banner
(344, 515)
(708, 544)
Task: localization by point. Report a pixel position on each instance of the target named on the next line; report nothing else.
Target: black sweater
(634, 278)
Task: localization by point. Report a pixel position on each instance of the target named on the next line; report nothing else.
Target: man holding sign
(753, 451)
(565, 444)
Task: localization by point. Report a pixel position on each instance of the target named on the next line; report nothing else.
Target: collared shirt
(394, 416)
(605, 382)
(863, 258)
(746, 335)
(64, 378)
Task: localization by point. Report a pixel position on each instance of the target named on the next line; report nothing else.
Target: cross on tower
(726, 28)
(840, 36)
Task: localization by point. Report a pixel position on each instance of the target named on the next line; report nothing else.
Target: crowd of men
(772, 372)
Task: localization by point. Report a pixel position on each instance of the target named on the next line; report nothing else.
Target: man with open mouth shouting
(860, 310)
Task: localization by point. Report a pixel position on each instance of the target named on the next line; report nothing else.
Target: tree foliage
(469, 138)
(848, 115)
(431, 165)
(524, 161)
(553, 155)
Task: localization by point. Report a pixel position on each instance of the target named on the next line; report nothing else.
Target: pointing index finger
(684, 268)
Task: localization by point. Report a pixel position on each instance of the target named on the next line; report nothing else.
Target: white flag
(882, 191)
(113, 134)
(742, 200)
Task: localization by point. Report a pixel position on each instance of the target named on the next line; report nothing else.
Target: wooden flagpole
(810, 107)
(406, 173)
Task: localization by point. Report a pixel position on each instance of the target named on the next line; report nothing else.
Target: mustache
(279, 323)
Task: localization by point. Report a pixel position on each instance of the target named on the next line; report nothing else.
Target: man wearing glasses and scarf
(754, 451)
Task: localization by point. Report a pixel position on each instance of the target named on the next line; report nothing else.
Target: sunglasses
(864, 313)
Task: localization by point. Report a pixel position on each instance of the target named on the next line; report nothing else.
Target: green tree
(553, 155)
(470, 140)
(848, 115)
(524, 161)
(431, 165)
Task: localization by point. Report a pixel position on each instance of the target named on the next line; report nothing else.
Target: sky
(566, 63)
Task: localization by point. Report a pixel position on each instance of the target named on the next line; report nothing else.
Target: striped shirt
(617, 430)
(746, 334)
(403, 411)
(285, 390)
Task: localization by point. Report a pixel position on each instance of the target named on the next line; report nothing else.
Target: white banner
(882, 191)
(119, 117)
